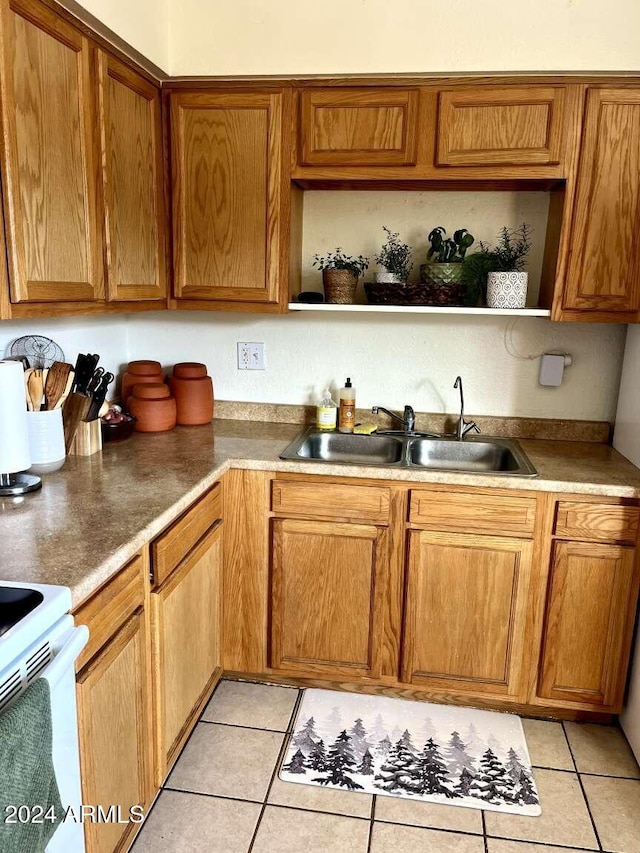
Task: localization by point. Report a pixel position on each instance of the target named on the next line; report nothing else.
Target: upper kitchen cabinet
(231, 199)
(49, 158)
(131, 139)
(511, 126)
(358, 127)
(602, 243)
(433, 132)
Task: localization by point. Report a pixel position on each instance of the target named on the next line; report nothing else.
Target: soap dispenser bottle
(347, 412)
(326, 411)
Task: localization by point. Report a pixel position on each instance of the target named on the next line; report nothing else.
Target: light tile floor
(224, 795)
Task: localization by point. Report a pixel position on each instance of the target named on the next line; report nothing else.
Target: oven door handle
(66, 657)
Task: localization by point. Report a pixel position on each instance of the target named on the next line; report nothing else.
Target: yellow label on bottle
(326, 417)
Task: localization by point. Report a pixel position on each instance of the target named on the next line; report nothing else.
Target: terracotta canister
(139, 372)
(153, 406)
(193, 391)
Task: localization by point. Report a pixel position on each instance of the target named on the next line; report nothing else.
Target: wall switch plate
(251, 356)
(552, 368)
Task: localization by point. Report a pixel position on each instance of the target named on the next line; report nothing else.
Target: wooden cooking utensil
(27, 374)
(36, 389)
(67, 389)
(56, 383)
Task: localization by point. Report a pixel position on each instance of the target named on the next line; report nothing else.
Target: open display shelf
(418, 309)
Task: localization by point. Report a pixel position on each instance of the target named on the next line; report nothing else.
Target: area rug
(416, 750)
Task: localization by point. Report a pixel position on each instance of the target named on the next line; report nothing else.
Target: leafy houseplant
(395, 257)
(503, 264)
(340, 274)
(442, 274)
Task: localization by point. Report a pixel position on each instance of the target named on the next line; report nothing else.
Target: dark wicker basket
(413, 293)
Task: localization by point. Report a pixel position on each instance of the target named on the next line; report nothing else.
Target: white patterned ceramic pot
(507, 289)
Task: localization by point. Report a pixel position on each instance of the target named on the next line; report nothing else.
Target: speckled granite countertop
(98, 511)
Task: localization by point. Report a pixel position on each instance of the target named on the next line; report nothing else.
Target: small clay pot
(137, 373)
(194, 399)
(153, 407)
(189, 370)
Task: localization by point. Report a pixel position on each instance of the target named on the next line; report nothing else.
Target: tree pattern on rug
(445, 769)
(339, 762)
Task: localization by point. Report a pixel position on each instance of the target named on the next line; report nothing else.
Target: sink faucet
(463, 426)
(408, 420)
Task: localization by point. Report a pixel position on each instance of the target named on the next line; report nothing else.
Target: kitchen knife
(85, 366)
(99, 396)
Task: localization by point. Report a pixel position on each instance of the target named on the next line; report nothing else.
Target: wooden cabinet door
(131, 139)
(466, 607)
(510, 126)
(229, 204)
(49, 160)
(604, 265)
(327, 592)
(185, 613)
(358, 127)
(116, 744)
(589, 618)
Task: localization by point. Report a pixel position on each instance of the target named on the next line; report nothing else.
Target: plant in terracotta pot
(395, 258)
(498, 272)
(340, 274)
(442, 274)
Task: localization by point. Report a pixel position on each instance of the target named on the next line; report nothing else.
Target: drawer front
(326, 500)
(171, 547)
(596, 522)
(358, 127)
(470, 513)
(517, 126)
(108, 609)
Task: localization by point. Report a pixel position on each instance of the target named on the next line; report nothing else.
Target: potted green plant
(498, 272)
(395, 257)
(340, 274)
(442, 274)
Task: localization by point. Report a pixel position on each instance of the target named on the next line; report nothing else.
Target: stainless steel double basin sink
(474, 454)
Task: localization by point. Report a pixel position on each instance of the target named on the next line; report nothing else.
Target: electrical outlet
(250, 356)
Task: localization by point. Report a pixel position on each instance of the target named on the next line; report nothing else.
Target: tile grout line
(584, 793)
(372, 817)
(240, 726)
(484, 832)
(281, 754)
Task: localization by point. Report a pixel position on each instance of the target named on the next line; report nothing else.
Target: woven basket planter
(339, 286)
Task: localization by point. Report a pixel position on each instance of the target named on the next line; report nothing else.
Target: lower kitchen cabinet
(186, 621)
(466, 605)
(589, 621)
(326, 597)
(114, 719)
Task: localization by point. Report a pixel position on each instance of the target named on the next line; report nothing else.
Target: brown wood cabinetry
(132, 168)
(186, 629)
(231, 199)
(514, 126)
(603, 274)
(327, 586)
(115, 707)
(358, 127)
(466, 605)
(50, 158)
(83, 185)
(589, 618)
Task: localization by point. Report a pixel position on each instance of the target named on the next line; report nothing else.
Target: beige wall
(142, 23)
(297, 37)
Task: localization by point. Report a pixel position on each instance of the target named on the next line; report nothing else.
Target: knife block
(87, 440)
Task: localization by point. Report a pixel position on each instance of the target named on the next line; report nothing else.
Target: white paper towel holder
(18, 484)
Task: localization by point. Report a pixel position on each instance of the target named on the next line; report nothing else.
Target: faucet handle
(469, 426)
